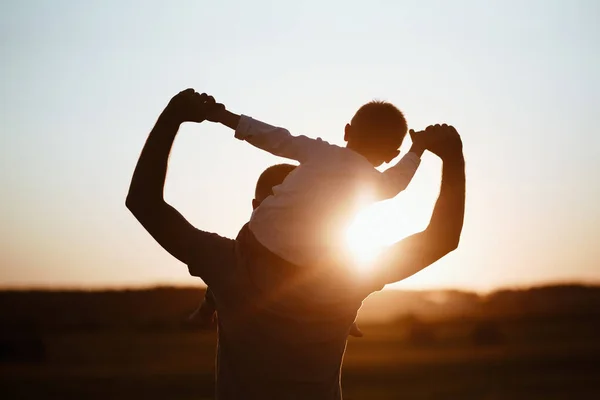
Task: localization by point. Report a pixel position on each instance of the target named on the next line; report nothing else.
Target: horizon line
(155, 286)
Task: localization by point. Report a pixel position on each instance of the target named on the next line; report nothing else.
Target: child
(304, 218)
(304, 222)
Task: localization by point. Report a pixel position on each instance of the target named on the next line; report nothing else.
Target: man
(274, 343)
(205, 314)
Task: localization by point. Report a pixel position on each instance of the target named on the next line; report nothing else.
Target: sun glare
(366, 237)
(376, 227)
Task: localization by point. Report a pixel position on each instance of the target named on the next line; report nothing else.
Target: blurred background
(91, 307)
(539, 343)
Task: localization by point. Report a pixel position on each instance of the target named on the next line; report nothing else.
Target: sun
(368, 235)
(381, 224)
(362, 246)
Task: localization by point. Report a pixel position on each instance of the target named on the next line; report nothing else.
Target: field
(550, 356)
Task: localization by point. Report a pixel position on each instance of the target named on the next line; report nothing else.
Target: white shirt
(304, 222)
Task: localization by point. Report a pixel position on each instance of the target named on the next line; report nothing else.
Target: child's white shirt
(305, 220)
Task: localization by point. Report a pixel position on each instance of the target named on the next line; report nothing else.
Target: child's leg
(209, 300)
(205, 313)
(355, 331)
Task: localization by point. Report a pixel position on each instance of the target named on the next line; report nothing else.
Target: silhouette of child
(304, 222)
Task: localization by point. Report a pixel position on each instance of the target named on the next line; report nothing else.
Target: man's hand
(189, 106)
(441, 140)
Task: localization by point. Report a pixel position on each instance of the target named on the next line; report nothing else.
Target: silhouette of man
(205, 314)
(273, 342)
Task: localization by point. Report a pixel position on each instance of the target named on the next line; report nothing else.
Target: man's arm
(275, 140)
(145, 198)
(442, 235)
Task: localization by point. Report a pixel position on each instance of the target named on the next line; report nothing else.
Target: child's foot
(355, 331)
(204, 316)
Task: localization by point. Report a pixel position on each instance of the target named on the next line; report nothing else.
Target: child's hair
(380, 116)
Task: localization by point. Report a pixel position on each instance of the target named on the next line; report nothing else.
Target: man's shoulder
(211, 256)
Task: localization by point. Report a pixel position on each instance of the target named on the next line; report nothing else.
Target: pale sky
(82, 82)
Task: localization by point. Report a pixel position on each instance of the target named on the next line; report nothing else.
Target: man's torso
(275, 341)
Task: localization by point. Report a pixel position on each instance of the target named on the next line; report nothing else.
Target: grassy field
(534, 344)
(385, 364)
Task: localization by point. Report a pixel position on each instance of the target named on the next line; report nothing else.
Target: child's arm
(275, 140)
(395, 179)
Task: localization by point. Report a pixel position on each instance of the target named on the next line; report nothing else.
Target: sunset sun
(363, 243)
(368, 235)
(380, 225)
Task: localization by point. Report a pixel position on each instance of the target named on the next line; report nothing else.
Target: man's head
(270, 177)
(376, 132)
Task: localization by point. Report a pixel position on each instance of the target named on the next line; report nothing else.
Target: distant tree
(22, 346)
(487, 333)
(420, 333)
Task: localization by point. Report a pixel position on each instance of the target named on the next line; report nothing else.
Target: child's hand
(216, 112)
(419, 142)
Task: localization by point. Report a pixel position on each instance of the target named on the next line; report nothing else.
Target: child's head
(376, 132)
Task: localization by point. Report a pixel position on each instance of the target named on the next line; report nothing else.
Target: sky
(82, 83)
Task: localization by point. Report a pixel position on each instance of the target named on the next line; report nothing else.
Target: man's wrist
(454, 159)
(167, 119)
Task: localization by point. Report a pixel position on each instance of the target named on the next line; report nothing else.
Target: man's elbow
(443, 244)
(449, 244)
(453, 244)
(132, 203)
(138, 206)
(145, 207)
